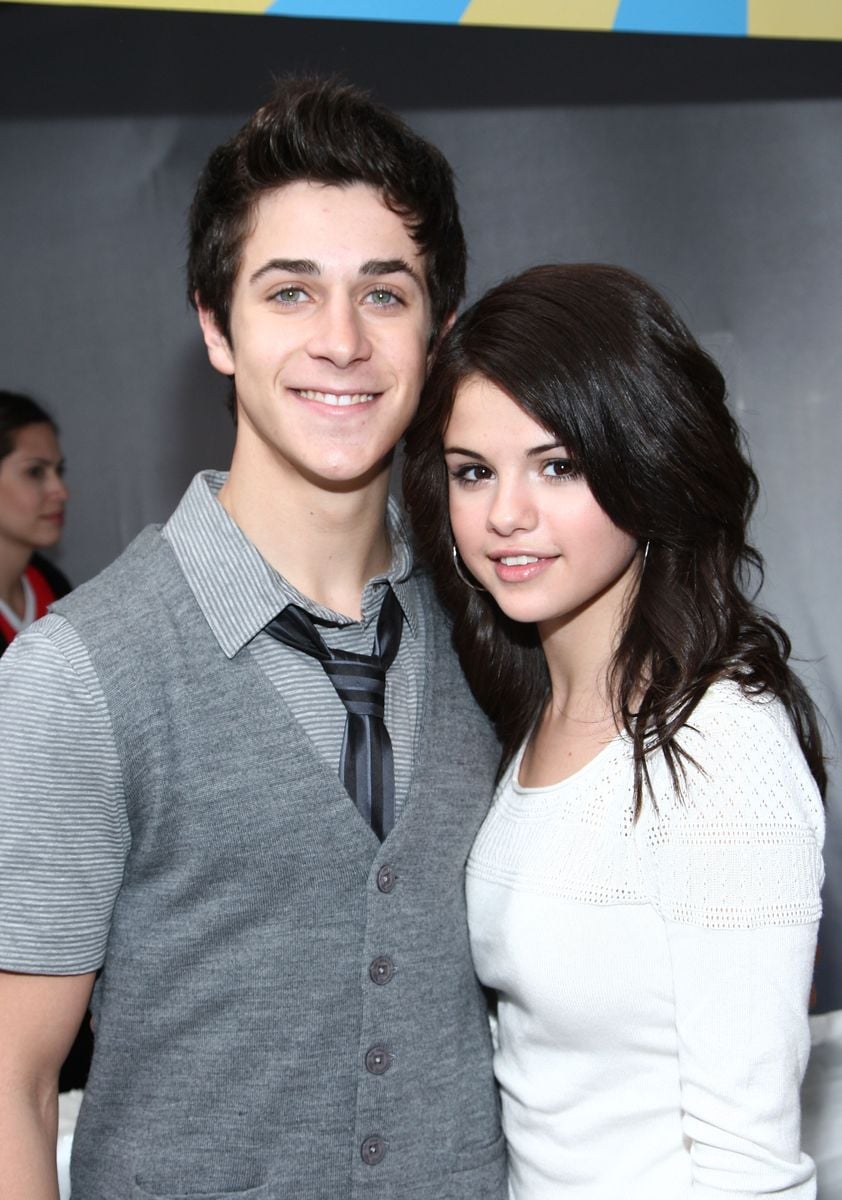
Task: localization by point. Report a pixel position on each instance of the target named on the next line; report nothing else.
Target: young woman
(644, 894)
(32, 499)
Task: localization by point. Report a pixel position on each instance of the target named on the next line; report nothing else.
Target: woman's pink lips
(523, 572)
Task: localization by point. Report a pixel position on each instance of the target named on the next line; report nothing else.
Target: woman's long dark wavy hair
(597, 357)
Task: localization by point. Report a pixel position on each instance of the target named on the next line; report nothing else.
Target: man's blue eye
(289, 295)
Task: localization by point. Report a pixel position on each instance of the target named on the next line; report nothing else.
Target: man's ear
(435, 342)
(219, 349)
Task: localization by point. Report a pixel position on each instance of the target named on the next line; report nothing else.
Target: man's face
(330, 326)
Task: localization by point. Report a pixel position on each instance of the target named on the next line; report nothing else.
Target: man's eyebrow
(292, 266)
(389, 266)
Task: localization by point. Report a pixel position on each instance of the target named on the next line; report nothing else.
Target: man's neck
(326, 543)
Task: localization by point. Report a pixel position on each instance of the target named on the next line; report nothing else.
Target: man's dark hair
(329, 132)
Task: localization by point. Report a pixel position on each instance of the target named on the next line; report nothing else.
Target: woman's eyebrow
(533, 453)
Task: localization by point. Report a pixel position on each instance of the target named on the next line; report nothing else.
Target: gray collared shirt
(239, 593)
(63, 820)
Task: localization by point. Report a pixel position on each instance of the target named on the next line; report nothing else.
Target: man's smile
(336, 399)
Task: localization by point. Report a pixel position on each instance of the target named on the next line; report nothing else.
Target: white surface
(821, 1099)
(68, 1111)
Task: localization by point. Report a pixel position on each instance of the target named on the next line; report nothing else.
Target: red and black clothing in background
(47, 583)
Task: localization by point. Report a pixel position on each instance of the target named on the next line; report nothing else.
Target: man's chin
(346, 478)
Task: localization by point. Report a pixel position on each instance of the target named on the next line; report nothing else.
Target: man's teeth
(518, 560)
(342, 401)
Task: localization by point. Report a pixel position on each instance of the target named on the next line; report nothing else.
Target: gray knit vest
(287, 1009)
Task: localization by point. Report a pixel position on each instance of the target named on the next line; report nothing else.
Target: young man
(260, 881)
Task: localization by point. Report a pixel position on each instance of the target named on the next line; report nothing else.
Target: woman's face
(526, 525)
(32, 491)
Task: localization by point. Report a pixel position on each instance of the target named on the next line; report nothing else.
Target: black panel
(59, 60)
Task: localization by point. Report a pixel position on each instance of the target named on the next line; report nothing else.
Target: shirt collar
(239, 592)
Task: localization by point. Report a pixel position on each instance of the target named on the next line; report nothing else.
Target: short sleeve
(64, 832)
(741, 847)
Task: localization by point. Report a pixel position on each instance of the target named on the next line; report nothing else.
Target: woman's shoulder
(727, 697)
(742, 754)
(740, 840)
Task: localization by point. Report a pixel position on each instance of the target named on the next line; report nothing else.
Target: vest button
(386, 878)
(378, 1060)
(373, 1150)
(381, 970)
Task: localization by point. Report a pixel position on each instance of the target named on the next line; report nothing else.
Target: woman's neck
(580, 646)
(13, 560)
(580, 717)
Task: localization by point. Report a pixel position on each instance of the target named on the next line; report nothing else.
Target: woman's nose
(513, 508)
(58, 488)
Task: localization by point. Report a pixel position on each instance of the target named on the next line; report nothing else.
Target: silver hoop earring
(455, 556)
(645, 555)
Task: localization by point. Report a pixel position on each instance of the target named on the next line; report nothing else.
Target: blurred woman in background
(32, 499)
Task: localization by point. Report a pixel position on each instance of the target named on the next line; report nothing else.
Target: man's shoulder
(148, 561)
(56, 580)
(120, 587)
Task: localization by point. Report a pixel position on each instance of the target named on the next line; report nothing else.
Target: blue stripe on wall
(445, 12)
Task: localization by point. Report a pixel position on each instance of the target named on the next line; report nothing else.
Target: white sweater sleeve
(743, 1041)
(735, 870)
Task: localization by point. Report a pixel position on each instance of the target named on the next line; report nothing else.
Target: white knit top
(653, 978)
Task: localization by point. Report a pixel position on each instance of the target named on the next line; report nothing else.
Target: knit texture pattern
(653, 976)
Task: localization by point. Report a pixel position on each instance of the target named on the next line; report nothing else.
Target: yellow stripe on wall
(542, 14)
(806, 19)
(818, 19)
(214, 6)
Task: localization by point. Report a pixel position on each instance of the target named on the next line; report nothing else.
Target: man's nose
(339, 334)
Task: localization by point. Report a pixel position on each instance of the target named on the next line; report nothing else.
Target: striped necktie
(367, 767)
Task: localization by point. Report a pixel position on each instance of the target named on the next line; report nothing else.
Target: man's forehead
(313, 222)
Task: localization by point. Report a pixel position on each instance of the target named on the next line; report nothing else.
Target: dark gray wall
(731, 207)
